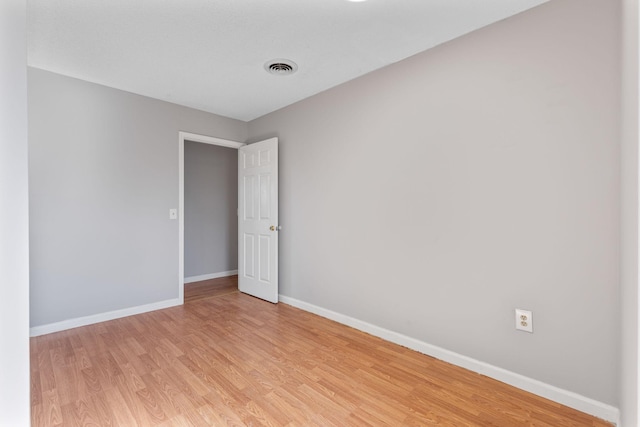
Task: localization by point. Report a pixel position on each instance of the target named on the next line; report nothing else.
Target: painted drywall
(435, 196)
(210, 205)
(14, 214)
(103, 170)
(629, 226)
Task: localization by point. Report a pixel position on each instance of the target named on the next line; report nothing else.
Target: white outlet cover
(524, 324)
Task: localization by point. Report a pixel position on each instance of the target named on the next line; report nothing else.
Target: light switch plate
(173, 213)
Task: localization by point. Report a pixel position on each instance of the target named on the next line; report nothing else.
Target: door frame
(193, 137)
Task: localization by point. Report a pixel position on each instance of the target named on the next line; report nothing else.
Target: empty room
(320, 213)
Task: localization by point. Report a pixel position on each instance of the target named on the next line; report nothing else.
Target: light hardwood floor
(227, 359)
(210, 288)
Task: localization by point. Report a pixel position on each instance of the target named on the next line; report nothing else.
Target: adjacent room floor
(225, 358)
(210, 288)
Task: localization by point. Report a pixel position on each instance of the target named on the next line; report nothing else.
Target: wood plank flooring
(210, 288)
(233, 360)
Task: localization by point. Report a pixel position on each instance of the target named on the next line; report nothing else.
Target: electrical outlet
(524, 320)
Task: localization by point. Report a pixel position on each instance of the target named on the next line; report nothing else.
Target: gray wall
(103, 170)
(14, 214)
(210, 204)
(629, 265)
(434, 196)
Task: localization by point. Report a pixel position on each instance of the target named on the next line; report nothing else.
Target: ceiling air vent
(281, 67)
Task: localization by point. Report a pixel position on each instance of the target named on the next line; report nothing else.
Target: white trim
(102, 317)
(181, 217)
(182, 137)
(187, 136)
(210, 276)
(564, 397)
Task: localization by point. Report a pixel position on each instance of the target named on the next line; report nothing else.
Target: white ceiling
(210, 54)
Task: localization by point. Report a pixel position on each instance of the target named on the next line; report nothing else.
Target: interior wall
(103, 170)
(629, 185)
(210, 209)
(14, 214)
(435, 196)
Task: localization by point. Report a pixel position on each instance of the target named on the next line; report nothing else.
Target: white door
(258, 219)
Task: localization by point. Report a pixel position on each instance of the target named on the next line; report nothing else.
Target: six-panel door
(258, 219)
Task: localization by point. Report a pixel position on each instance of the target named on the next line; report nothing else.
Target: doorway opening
(183, 139)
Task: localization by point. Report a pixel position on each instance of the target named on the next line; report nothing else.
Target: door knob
(272, 228)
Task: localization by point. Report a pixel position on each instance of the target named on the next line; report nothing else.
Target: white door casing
(182, 137)
(258, 219)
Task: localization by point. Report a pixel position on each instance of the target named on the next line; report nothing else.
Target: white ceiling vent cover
(281, 67)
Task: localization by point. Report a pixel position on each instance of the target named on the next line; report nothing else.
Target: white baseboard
(210, 276)
(101, 317)
(564, 397)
